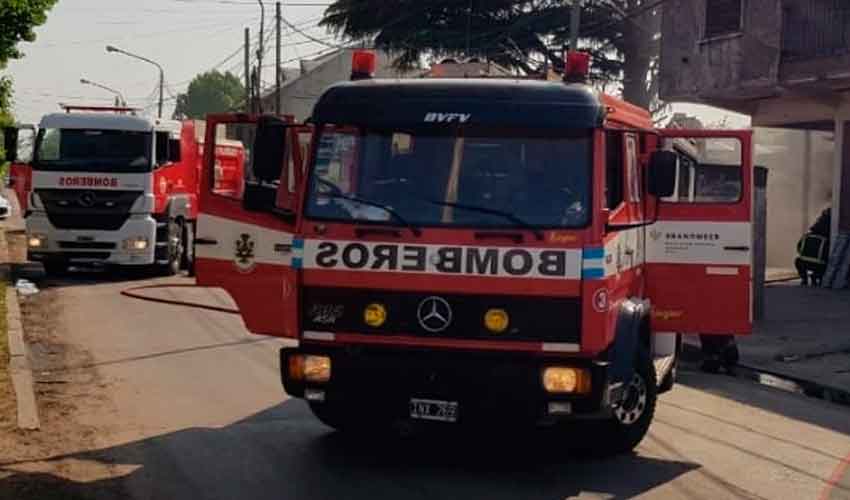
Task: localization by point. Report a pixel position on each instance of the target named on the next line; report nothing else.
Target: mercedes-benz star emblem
(87, 199)
(435, 314)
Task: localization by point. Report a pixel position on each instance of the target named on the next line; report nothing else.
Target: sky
(185, 37)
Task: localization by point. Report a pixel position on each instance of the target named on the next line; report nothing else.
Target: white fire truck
(109, 187)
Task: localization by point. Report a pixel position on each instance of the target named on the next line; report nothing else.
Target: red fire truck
(105, 186)
(480, 250)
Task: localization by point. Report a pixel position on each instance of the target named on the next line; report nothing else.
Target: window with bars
(723, 17)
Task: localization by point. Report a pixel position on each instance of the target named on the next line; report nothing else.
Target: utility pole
(260, 52)
(468, 27)
(248, 69)
(575, 23)
(277, 74)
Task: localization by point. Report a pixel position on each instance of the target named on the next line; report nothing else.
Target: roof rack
(114, 109)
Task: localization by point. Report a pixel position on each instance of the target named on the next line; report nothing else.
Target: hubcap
(175, 242)
(634, 403)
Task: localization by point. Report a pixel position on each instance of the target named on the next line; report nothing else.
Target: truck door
(246, 237)
(19, 142)
(699, 252)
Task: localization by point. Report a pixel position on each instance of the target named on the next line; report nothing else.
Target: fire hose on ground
(133, 293)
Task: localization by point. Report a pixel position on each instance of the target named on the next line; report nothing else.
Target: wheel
(55, 268)
(627, 427)
(188, 260)
(174, 248)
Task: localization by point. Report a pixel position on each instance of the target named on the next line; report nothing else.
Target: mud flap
(627, 341)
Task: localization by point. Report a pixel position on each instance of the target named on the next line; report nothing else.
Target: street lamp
(110, 48)
(118, 95)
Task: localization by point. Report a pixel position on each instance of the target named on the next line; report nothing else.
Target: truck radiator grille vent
(541, 319)
(88, 222)
(81, 245)
(88, 209)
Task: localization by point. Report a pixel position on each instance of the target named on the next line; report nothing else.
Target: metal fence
(815, 28)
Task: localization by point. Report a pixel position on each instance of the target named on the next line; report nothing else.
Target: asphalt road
(195, 410)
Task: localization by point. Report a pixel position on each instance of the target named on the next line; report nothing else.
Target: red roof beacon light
(363, 64)
(576, 66)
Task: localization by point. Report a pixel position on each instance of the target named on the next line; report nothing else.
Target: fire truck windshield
(93, 150)
(469, 177)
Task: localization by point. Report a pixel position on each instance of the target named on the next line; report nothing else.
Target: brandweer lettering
(450, 260)
(88, 181)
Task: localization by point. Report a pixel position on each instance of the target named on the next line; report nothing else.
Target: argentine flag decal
(592, 263)
(297, 253)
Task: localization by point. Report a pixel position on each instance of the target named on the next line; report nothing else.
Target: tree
(17, 20)
(524, 35)
(211, 92)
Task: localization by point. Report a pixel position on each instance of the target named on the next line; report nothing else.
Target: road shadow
(284, 452)
(87, 276)
(771, 399)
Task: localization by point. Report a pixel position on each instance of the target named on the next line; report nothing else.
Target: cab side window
(614, 181)
(161, 148)
(633, 168)
(709, 170)
(232, 160)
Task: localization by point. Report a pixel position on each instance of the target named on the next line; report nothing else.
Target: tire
(187, 262)
(55, 268)
(174, 248)
(627, 427)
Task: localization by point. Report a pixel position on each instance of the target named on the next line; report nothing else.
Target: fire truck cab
(480, 250)
(106, 186)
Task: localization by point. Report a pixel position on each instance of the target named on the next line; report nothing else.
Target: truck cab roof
(471, 101)
(108, 121)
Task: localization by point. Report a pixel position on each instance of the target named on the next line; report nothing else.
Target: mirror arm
(611, 228)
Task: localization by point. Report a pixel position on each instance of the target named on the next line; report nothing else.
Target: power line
(308, 36)
(236, 2)
(179, 30)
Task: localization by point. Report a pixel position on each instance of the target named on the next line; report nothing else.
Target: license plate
(432, 409)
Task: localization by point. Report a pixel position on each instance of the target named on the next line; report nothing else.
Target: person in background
(719, 352)
(813, 251)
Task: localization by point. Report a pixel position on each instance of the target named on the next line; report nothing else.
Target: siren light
(576, 66)
(363, 64)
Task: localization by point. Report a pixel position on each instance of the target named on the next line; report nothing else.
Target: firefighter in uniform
(813, 251)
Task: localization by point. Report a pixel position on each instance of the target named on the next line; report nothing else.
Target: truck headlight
(37, 240)
(310, 368)
(566, 380)
(136, 244)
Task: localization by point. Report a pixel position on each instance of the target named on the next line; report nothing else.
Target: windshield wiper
(395, 215)
(484, 210)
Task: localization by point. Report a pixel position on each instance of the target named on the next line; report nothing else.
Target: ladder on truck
(839, 263)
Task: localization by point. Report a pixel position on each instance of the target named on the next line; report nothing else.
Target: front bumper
(487, 387)
(86, 246)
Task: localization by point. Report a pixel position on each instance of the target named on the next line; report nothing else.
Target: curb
(19, 363)
(691, 353)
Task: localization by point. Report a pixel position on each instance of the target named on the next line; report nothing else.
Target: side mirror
(174, 150)
(269, 148)
(662, 173)
(10, 143)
